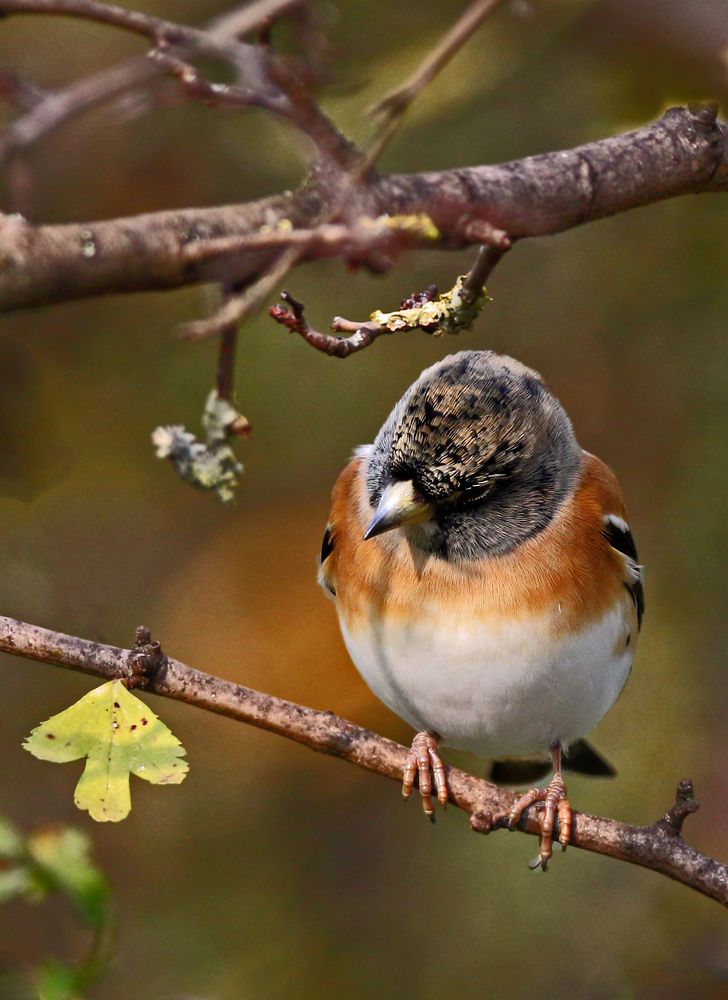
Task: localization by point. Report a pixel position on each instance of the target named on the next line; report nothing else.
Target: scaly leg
(425, 763)
(552, 804)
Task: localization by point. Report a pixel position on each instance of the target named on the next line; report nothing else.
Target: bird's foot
(552, 803)
(425, 764)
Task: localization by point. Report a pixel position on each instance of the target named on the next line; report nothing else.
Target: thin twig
(485, 262)
(239, 307)
(196, 86)
(59, 107)
(154, 28)
(225, 375)
(363, 334)
(356, 241)
(392, 108)
(251, 16)
(19, 92)
(294, 319)
(488, 805)
(248, 60)
(262, 81)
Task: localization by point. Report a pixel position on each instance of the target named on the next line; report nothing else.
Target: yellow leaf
(119, 736)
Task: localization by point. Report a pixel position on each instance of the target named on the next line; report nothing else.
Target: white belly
(495, 688)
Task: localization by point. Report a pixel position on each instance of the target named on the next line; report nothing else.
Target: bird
(485, 577)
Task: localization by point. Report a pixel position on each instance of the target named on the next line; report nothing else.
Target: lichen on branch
(450, 312)
(210, 464)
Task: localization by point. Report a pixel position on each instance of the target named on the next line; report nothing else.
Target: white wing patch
(618, 522)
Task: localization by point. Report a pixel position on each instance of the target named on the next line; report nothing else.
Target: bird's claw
(425, 764)
(552, 804)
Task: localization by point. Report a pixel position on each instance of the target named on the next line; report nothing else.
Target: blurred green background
(273, 872)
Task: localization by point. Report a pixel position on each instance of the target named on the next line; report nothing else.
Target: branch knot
(685, 805)
(146, 659)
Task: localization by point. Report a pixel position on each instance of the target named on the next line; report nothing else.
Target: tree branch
(147, 25)
(261, 80)
(394, 106)
(659, 847)
(60, 106)
(238, 307)
(684, 152)
(363, 334)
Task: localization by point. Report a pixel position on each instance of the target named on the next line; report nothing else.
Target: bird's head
(473, 459)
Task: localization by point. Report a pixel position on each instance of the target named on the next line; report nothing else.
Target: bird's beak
(398, 506)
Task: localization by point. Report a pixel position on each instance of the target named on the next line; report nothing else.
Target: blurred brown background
(273, 872)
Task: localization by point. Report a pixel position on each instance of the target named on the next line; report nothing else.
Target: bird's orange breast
(567, 572)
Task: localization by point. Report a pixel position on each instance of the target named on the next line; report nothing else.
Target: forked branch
(659, 847)
(393, 107)
(260, 79)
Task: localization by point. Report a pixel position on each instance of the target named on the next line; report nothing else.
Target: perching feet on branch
(425, 764)
(552, 804)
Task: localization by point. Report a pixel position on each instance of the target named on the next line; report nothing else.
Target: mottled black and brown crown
(485, 444)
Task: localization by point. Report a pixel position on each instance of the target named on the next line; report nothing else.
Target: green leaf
(14, 878)
(11, 840)
(13, 882)
(119, 736)
(63, 858)
(57, 982)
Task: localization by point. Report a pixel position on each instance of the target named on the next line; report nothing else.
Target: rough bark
(685, 152)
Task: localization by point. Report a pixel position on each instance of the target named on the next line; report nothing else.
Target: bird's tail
(580, 758)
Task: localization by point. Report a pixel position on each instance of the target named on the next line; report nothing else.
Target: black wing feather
(621, 539)
(327, 545)
(580, 758)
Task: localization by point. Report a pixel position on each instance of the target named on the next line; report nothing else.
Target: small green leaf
(13, 882)
(119, 736)
(63, 858)
(11, 840)
(57, 982)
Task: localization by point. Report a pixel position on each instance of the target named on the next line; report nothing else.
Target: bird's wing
(580, 757)
(618, 534)
(615, 529)
(343, 497)
(326, 563)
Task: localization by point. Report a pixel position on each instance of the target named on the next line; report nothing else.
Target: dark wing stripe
(582, 758)
(620, 538)
(637, 593)
(327, 545)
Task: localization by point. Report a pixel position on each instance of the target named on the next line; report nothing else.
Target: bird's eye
(476, 492)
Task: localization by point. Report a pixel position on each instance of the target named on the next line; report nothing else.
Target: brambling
(485, 578)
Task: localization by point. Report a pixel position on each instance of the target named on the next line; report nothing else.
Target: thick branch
(685, 152)
(658, 847)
